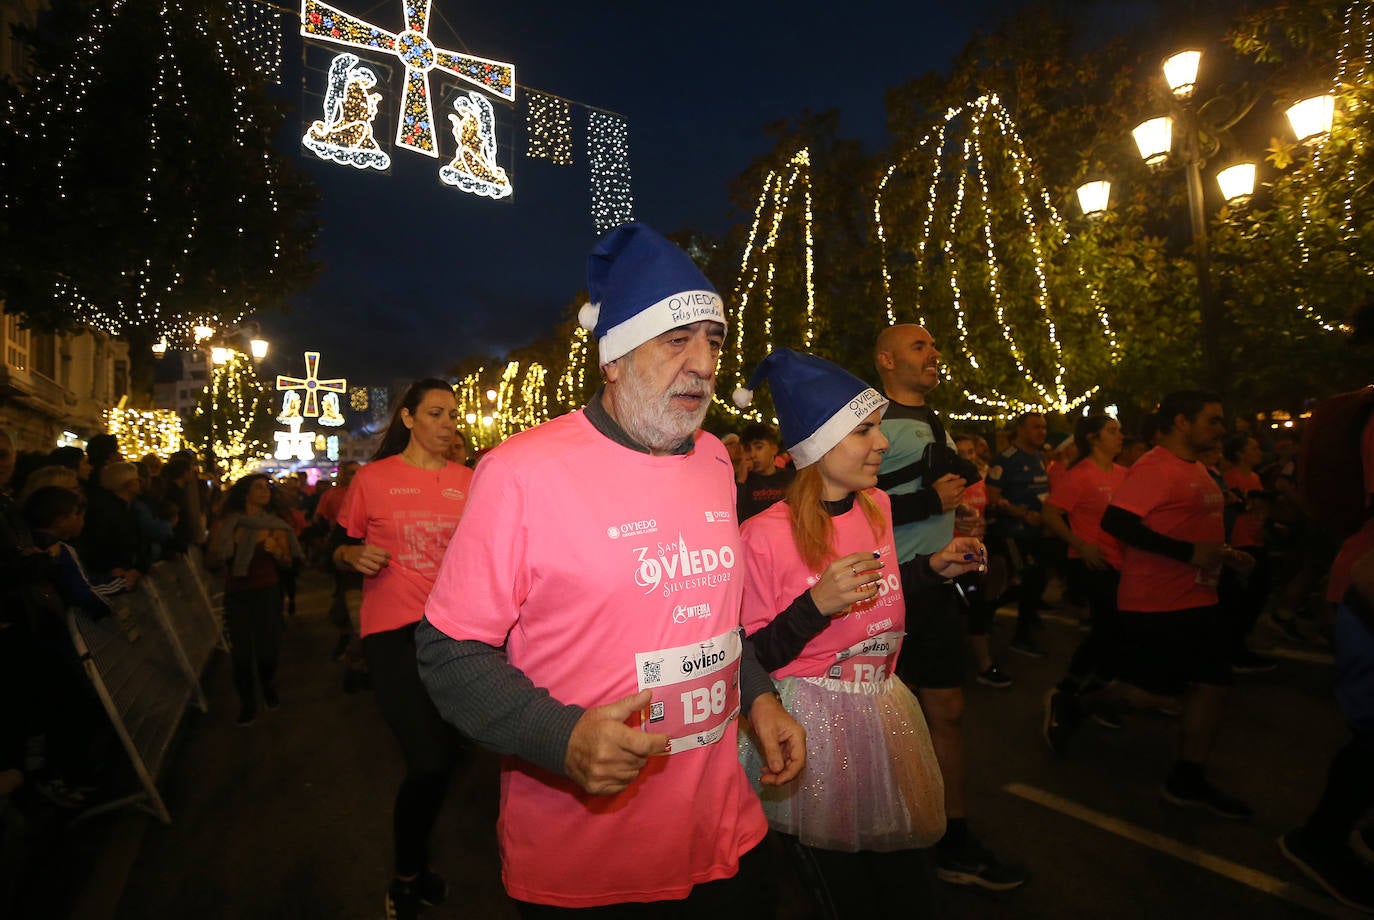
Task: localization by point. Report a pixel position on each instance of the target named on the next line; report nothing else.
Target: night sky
(418, 275)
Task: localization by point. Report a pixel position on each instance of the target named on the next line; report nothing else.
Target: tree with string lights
(139, 191)
(232, 422)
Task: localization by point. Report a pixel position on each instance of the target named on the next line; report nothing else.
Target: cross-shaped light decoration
(311, 384)
(415, 127)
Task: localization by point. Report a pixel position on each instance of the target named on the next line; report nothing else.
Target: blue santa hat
(640, 286)
(818, 402)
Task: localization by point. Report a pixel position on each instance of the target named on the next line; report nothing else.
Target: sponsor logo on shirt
(632, 529)
(452, 494)
(683, 612)
(713, 516)
(879, 626)
(402, 490)
(676, 567)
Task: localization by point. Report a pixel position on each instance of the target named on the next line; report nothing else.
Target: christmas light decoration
(518, 401)
(758, 269)
(380, 401)
(357, 399)
(331, 448)
(572, 383)
(473, 168)
(258, 33)
(231, 404)
(956, 208)
(154, 286)
(415, 126)
(345, 134)
(1326, 178)
(295, 444)
(290, 406)
(548, 128)
(311, 384)
(329, 410)
(143, 431)
(608, 156)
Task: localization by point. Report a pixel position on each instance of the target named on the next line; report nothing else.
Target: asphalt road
(290, 817)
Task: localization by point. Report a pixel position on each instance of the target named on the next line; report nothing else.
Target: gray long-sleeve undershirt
(476, 688)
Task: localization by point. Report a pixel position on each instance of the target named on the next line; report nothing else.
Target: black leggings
(1348, 795)
(252, 617)
(1092, 661)
(868, 884)
(431, 747)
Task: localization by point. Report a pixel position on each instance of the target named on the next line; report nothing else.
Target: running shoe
(1286, 626)
(974, 864)
(432, 889)
(993, 677)
(247, 714)
(1248, 662)
(1063, 715)
(270, 698)
(1362, 842)
(1107, 717)
(1025, 645)
(1335, 868)
(1203, 794)
(403, 900)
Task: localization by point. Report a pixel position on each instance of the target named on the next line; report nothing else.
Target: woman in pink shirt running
(399, 513)
(823, 603)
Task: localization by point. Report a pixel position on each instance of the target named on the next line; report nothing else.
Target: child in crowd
(766, 482)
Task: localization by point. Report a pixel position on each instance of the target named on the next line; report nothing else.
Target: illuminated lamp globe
(1154, 138)
(160, 347)
(491, 395)
(202, 332)
(258, 348)
(486, 420)
(220, 354)
(1237, 182)
(1180, 72)
(470, 417)
(1311, 118)
(1093, 197)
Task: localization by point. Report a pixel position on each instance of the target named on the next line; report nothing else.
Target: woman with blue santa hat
(823, 605)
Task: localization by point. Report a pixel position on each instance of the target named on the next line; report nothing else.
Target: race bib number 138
(696, 690)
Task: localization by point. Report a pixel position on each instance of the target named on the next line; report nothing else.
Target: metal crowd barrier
(145, 664)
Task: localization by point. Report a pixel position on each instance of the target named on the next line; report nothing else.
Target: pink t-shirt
(331, 502)
(411, 513)
(1249, 527)
(1178, 499)
(1083, 492)
(603, 570)
(860, 646)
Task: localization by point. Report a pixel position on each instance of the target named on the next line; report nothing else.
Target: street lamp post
(1311, 120)
(1180, 72)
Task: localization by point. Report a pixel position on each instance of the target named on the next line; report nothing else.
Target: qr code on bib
(656, 712)
(653, 671)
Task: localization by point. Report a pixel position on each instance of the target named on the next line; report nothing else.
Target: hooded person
(824, 604)
(585, 622)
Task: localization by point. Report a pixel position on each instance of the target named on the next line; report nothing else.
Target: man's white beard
(651, 418)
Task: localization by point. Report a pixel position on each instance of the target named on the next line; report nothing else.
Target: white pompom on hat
(818, 403)
(641, 285)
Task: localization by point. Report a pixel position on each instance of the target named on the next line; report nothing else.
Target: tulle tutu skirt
(871, 781)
